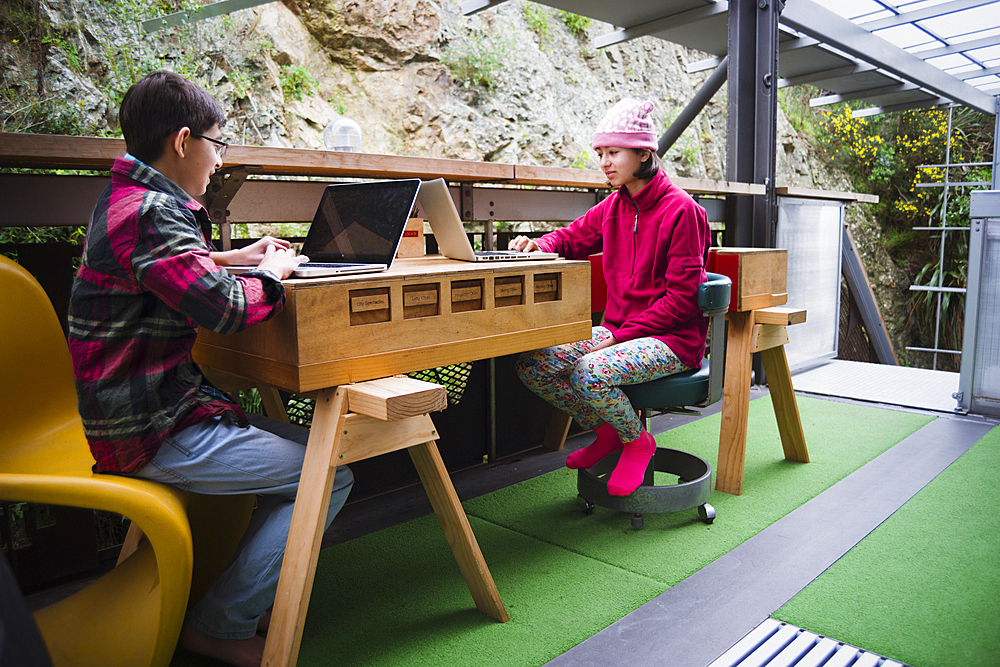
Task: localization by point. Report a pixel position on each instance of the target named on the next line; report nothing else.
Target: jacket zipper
(635, 239)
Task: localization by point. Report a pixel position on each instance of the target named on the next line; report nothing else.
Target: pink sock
(607, 442)
(628, 474)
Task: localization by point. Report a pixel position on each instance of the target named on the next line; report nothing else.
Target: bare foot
(239, 652)
(265, 622)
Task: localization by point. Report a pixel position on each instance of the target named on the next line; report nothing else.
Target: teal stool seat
(686, 388)
(699, 388)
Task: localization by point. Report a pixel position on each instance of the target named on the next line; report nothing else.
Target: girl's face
(620, 166)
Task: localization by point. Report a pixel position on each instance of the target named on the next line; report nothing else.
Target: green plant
(794, 101)
(297, 81)
(250, 401)
(537, 20)
(584, 160)
(67, 47)
(898, 156)
(477, 60)
(339, 102)
(242, 83)
(577, 24)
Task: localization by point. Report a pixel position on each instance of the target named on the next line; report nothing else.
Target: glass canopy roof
(891, 55)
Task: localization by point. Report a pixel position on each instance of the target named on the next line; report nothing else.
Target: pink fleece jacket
(655, 247)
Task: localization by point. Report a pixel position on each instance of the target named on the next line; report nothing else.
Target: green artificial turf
(924, 587)
(396, 597)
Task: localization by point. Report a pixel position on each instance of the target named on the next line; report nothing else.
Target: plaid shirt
(146, 284)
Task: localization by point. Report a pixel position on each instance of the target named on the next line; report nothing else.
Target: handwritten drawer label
(420, 298)
(466, 293)
(513, 289)
(372, 302)
(545, 285)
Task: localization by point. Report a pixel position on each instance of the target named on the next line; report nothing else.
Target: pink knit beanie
(627, 125)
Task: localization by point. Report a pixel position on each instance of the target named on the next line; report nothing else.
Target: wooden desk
(423, 313)
(757, 323)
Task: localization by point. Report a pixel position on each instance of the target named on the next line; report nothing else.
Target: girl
(655, 241)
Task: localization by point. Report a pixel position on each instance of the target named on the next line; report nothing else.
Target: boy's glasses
(220, 146)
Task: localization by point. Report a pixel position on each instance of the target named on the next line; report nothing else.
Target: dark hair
(159, 104)
(647, 170)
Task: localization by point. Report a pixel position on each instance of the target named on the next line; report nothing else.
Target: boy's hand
(251, 255)
(255, 252)
(280, 261)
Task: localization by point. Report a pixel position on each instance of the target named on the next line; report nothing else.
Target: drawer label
(372, 302)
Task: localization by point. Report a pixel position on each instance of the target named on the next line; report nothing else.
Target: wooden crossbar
(394, 398)
(781, 315)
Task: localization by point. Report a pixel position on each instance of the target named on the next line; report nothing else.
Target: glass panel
(986, 383)
(811, 231)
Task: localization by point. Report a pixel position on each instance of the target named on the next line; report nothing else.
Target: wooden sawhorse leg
(448, 508)
(746, 337)
(339, 438)
(312, 502)
(735, 404)
(786, 410)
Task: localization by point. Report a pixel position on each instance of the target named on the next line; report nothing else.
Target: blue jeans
(219, 457)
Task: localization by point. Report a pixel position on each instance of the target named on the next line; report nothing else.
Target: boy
(149, 278)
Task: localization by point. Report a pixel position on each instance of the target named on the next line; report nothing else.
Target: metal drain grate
(777, 644)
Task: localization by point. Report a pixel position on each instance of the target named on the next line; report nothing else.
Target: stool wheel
(637, 521)
(707, 513)
(588, 507)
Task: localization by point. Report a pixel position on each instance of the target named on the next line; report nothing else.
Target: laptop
(450, 234)
(356, 229)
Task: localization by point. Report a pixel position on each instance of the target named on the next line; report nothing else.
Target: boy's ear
(177, 141)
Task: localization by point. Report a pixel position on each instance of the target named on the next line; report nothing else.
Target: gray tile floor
(878, 383)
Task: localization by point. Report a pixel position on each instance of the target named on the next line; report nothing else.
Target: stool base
(693, 490)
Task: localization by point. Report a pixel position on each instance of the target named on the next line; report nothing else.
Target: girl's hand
(523, 244)
(251, 255)
(604, 344)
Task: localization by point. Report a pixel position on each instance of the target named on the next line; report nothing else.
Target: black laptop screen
(360, 222)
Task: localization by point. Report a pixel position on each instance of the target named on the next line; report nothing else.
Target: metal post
(967, 382)
(944, 238)
(694, 107)
(751, 120)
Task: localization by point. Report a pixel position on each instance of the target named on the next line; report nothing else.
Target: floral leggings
(585, 384)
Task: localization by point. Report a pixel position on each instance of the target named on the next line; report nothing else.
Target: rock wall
(513, 84)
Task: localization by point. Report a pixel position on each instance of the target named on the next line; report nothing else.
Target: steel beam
(822, 75)
(662, 24)
(475, 6)
(751, 120)
(816, 21)
(919, 104)
(694, 107)
(205, 12)
(863, 94)
(960, 47)
(923, 14)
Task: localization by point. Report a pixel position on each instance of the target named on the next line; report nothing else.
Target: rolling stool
(699, 388)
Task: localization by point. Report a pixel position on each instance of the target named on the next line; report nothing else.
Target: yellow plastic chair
(131, 616)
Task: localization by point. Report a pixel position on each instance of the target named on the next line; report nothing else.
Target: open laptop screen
(360, 222)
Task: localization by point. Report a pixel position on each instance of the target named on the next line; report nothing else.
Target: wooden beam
(782, 315)
(395, 398)
(806, 193)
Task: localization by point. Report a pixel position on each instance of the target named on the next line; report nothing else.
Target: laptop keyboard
(323, 265)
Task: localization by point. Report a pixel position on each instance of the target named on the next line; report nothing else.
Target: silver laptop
(356, 229)
(450, 234)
